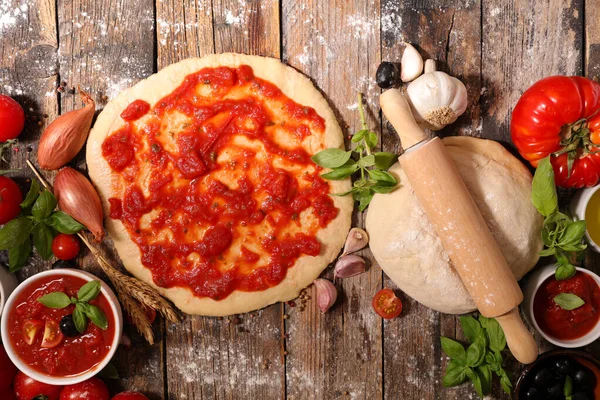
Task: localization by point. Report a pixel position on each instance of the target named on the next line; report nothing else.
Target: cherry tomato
(558, 116)
(386, 304)
(30, 330)
(7, 370)
(27, 388)
(52, 334)
(129, 396)
(92, 389)
(10, 199)
(12, 118)
(65, 247)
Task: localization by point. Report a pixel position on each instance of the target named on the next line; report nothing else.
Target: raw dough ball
(410, 252)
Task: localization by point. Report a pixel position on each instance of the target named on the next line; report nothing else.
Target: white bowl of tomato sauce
(44, 343)
(563, 327)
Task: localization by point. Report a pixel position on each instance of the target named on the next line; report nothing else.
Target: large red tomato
(92, 389)
(7, 370)
(27, 388)
(12, 118)
(559, 116)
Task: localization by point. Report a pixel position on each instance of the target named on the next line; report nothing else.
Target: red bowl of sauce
(566, 328)
(65, 359)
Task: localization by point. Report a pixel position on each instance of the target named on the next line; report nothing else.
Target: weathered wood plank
(106, 47)
(336, 354)
(210, 358)
(449, 33)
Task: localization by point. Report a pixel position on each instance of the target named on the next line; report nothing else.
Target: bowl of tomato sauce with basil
(62, 326)
(566, 312)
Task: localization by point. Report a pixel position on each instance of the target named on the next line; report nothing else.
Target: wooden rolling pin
(456, 219)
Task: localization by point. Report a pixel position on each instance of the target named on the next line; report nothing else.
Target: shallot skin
(77, 197)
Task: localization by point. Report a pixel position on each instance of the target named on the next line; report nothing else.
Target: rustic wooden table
(498, 48)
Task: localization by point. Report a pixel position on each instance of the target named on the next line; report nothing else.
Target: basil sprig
(482, 357)
(37, 223)
(568, 301)
(562, 237)
(373, 166)
(83, 310)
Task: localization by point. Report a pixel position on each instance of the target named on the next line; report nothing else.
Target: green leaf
(455, 374)
(568, 388)
(32, 195)
(358, 136)
(364, 197)
(89, 291)
(573, 234)
(97, 316)
(64, 223)
(331, 158)
(384, 160)
(383, 189)
(547, 252)
(475, 354)
(564, 271)
(568, 301)
(494, 332)
(543, 190)
(453, 349)
(109, 372)
(505, 383)
(340, 173)
(18, 255)
(472, 328)
(367, 161)
(474, 377)
(42, 240)
(382, 177)
(371, 139)
(79, 317)
(15, 232)
(55, 300)
(485, 376)
(44, 205)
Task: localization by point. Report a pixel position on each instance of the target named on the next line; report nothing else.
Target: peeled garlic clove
(350, 265)
(326, 294)
(356, 240)
(77, 197)
(430, 66)
(411, 64)
(66, 135)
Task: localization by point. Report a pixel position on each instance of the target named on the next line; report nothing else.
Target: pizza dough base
(295, 86)
(410, 252)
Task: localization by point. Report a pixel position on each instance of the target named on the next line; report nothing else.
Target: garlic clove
(348, 266)
(430, 66)
(411, 64)
(357, 239)
(326, 294)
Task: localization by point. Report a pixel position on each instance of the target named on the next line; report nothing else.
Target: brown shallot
(77, 197)
(66, 135)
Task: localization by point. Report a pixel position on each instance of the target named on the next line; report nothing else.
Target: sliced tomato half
(386, 304)
(30, 330)
(52, 334)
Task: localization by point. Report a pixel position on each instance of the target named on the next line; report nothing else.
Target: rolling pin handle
(398, 112)
(520, 341)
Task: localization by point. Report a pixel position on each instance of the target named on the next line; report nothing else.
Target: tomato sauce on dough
(216, 186)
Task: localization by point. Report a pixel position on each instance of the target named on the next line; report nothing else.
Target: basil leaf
(18, 255)
(568, 301)
(32, 195)
(331, 158)
(383, 189)
(79, 318)
(547, 252)
(97, 316)
(42, 240)
(55, 300)
(505, 382)
(475, 354)
(472, 328)
(568, 388)
(371, 139)
(495, 334)
(384, 160)
(564, 271)
(543, 190)
(109, 372)
(485, 376)
(364, 197)
(358, 136)
(43, 206)
(64, 223)
(383, 177)
(453, 349)
(476, 381)
(367, 161)
(89, 291)
(455, 374)
(340, 172)
(15, 232)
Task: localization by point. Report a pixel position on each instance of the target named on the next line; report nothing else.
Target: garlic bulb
(436, 98)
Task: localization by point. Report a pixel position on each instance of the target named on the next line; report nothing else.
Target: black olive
(555, 392)
(63, 264)
(544, 378)
(533, 394)
(581, 396)
(387, 75)
(565, 366)
(67, 326)
(583, 379)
